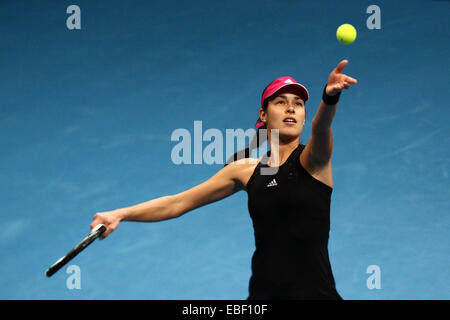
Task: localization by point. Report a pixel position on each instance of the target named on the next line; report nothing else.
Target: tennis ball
(346, 33)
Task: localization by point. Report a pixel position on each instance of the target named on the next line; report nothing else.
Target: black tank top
(290, 211)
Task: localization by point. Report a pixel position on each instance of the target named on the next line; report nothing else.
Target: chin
(289, 134)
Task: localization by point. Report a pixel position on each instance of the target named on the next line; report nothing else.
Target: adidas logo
(272, 183)
(288, 81)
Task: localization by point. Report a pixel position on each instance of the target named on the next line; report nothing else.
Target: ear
(262, 114)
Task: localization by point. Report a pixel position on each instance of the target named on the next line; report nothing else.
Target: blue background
(86, 118)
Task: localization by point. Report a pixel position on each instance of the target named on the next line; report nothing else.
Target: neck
(281, 150)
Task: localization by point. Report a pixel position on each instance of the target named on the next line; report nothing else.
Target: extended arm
(221, 185)
(320, 146)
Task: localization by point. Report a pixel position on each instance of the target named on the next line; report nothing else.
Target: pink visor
(281, 82)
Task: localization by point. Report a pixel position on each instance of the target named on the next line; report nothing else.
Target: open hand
(338, 81)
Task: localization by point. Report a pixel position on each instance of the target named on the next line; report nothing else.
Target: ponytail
(255, 143)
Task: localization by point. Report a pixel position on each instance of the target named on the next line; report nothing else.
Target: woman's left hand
(338, 81)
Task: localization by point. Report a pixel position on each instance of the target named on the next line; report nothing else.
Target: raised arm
(320, 145)
(223, 184)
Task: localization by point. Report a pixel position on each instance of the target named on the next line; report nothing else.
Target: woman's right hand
(110, 219)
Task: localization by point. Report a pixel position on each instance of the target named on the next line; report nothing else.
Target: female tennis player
(290, 209)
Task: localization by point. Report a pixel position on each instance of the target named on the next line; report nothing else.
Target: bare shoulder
(319, 171)
(243, 169)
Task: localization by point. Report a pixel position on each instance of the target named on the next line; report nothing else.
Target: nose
(290, 107)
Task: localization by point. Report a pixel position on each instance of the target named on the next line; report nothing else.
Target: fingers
(94, 223)
(350, 80)
(107, 232)
(96, 220)
(346, 81)
(341, 66)
(344, 85)
(340, 86)
(110, 221)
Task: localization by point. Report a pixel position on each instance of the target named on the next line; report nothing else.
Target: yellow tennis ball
(346, 33)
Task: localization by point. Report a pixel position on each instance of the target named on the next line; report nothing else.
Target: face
(286, 104)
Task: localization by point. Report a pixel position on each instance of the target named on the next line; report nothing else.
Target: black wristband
(330, 100)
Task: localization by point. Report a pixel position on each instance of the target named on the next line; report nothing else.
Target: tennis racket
(94, 234)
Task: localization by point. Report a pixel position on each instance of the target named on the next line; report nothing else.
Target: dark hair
(255, 143)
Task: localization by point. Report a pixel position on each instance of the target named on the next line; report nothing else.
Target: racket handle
(96, 232)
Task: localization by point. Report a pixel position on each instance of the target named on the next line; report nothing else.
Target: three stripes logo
(272, 183)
